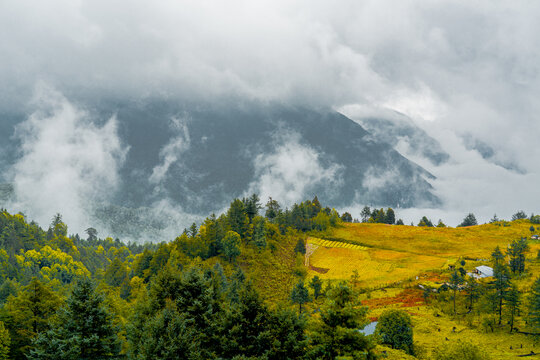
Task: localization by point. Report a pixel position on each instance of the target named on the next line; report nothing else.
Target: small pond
(369, 329)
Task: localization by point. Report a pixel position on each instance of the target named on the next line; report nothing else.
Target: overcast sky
(458, 69)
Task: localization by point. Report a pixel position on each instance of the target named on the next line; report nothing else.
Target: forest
(249, 284)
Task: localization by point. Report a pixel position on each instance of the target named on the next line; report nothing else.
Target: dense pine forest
(240, 286)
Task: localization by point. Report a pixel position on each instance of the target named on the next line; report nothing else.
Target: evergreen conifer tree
(300, 295)
(5, 342)
(336, 333)
(534, 306)
(316, 285)
(84, 330)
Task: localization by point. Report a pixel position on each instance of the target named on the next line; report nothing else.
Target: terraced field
(384, 254)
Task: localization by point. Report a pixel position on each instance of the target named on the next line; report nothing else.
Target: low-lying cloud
(289, 172)
(457, 68)
(67, 163)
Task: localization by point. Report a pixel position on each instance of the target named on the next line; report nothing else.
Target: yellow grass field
(385, 256)
(470, 242)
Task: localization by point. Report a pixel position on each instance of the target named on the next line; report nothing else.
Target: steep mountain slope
(193, 158)
(202, 157)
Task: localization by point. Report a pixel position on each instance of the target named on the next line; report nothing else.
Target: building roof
(484, 271)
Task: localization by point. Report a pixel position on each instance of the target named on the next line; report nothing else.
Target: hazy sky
(458, 69)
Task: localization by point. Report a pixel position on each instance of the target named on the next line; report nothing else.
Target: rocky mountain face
(201, 156)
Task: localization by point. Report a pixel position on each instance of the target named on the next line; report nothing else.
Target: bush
(395, 329)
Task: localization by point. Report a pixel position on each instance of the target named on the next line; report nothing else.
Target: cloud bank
(67, 163)
(459, 69)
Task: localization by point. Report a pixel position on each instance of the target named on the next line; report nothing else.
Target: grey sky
(457, 68)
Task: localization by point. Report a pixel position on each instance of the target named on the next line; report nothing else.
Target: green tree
(336, 333)
(316, 285)
(252, 206)
(272, 209)
(300, 246)
(440, 224)
(300, 295)
(520, 215)
(513, 302)
(30, 313)
(116, 273)
(534, 306)
(5, 342)
(469, 220)
(231, 245)
(516, 252)
(365, 214)
(92, 234)
(395, 329)
(237, 218)
(390, 216)
(497, 256)
(259, 232)
(167, 335)
(400, 222)
(500, 285)
(84, 329)
(346, 217)
(473, 291)
(455, 282)
(425, 222)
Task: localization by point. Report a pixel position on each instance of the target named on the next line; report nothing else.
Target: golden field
(387, 254)
(393, 260)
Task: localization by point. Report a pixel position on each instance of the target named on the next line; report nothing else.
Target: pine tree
(501, 285)
(30, 312)
(5, 342)
(237, 218)
(390, 216)
(300, 295)
(84, 329)
(469, 220)
(272, 209)
(534, 306)
(513, 302)
(455, 281)
(166, 336)
(497, 256)
(316, 285)
(473, 291)
(365, 214)
(300, 246)
(516, 253)
(336, 333)
(231, 245)
(259, 232)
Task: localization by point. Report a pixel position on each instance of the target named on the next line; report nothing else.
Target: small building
(482, 271)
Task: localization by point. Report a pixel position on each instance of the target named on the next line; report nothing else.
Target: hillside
(395, 263)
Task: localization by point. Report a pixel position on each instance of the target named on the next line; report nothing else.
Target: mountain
(400, 131)
(202, 156)
(195, 157)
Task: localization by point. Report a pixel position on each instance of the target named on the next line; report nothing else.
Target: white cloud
(67, 162)
(171, 151)
(290, 171)
(469, 67)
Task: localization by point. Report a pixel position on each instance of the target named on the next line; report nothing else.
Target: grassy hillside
(392, 261)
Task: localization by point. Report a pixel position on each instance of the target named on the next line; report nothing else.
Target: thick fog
(467, 73)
